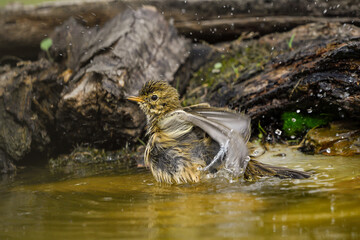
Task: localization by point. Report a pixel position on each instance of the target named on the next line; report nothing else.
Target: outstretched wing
(237, 121)
(231, 137)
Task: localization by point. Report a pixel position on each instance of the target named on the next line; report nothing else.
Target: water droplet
(345, 95)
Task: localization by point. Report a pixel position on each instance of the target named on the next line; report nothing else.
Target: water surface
(36, 204)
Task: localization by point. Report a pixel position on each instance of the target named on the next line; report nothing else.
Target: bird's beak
(135, 99)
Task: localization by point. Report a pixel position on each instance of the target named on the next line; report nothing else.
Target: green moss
(227, 68)
(295, 123)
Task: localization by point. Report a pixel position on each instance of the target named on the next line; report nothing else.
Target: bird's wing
(230, 140)
(237, 121)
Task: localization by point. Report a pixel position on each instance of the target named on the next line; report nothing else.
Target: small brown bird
(184, 143)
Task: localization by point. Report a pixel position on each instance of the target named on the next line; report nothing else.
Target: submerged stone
(339, 139)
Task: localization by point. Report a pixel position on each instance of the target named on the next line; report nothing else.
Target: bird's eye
(154, 97)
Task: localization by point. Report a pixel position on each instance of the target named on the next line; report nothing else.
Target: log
(23, 27)
(78, 96)
(28, 97)
(119, 58)
(317, 74)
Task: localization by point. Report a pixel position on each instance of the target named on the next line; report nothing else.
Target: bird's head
(156, 98)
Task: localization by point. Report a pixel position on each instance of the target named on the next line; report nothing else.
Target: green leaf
(261, 128)
(217, 65)
(141, 141)
(46, 44)
(291, 41)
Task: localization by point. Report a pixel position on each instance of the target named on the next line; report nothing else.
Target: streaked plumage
(186, 142)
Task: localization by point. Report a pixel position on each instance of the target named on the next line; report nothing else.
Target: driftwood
(80, 97)
(23, 27)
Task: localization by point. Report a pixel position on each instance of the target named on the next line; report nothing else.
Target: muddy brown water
(36, 204)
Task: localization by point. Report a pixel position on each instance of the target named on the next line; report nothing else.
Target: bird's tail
(255, 170)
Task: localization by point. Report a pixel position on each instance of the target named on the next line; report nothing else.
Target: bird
(185, 143)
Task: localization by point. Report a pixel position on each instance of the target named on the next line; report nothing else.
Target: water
(36, 204)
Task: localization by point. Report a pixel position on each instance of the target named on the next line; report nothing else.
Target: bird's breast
(174, 127)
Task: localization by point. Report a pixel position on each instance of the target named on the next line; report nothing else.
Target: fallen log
(23, 27)
(313, 69)
(28, 97)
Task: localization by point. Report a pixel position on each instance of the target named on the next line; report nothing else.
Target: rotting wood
(23, 27)
(266, 77)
